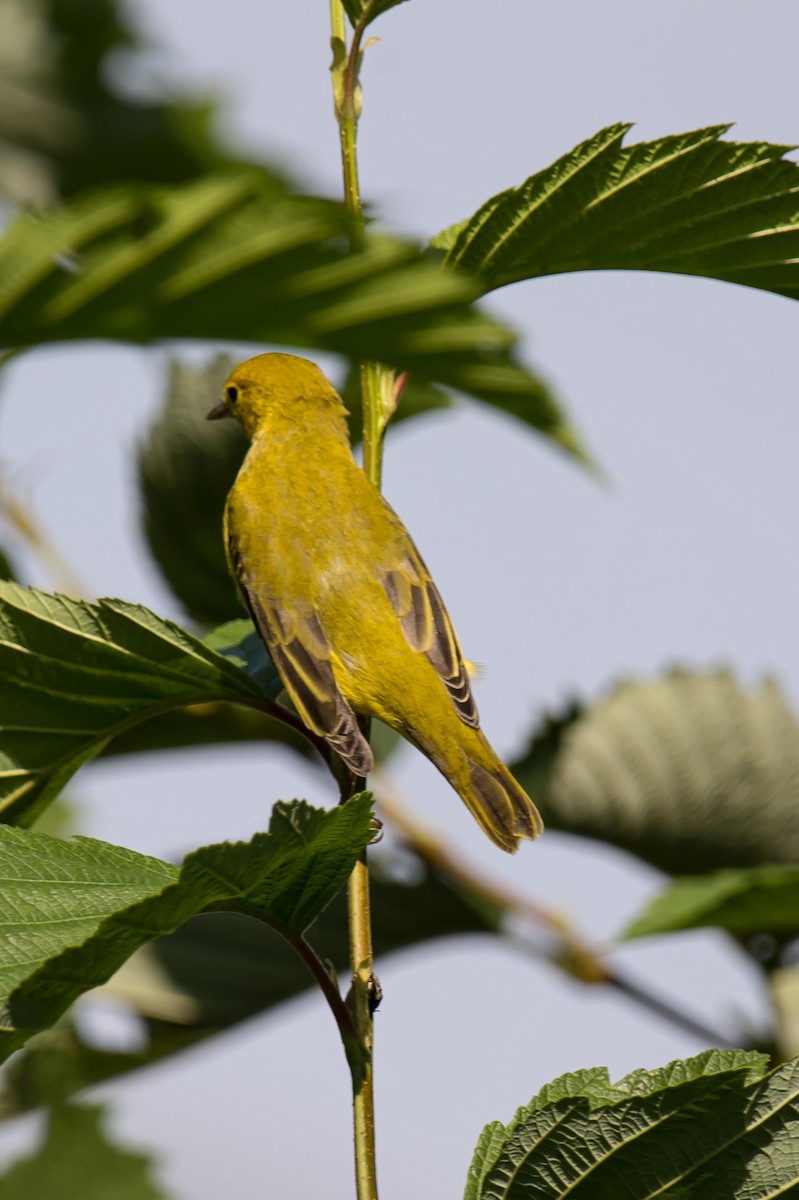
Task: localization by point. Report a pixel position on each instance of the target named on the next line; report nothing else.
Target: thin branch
(647, 999)
(571, 952)
(313, 962)
(23, 522)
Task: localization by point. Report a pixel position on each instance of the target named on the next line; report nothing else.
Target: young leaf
(63, 941)
(370, 9)
(691, 203)
(74, 674)
(706, 1128)
(145, 262)
(76, 1158)
(764, 900)
(689, 772)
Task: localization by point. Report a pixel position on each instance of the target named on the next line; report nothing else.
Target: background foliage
(153, 229)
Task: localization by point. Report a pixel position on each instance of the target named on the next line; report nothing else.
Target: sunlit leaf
(221, 968)
(706, 1128)
(64, 940)
(690, 203)
(73, 674)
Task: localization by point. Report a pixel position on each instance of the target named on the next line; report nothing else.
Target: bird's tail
(500, 805)
(497, 802)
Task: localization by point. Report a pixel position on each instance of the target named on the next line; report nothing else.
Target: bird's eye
(232, 394)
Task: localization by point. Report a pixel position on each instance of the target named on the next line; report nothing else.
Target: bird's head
(271, 389)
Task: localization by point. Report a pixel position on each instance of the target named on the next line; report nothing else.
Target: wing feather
(428, 629)
(302, 655)
(303, 660)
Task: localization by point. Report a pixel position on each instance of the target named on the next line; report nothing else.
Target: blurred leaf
(688, 772)
(35, 121)
(65, 940)
(690, 203)
(7, 570)
(706, 1128)
(372, 8)
(220, 968)
(784, 987)
(77, 1159)
(85, 130)
(31, 113)
(186, 467)
(234, 258)
(74, 674)
(763, 900)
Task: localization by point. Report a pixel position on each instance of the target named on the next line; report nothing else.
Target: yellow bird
(341, 596)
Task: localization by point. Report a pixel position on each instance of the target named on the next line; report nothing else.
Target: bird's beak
(219, 411)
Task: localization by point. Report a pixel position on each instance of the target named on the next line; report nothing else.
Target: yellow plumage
(340, 595)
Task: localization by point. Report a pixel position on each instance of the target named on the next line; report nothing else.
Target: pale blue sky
(686, 392)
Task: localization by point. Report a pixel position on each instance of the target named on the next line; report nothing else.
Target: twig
(317, 968)
(26, 526)
(571, 952)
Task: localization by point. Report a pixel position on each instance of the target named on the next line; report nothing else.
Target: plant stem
(312, 961)
(376, 383)
(361, 1066)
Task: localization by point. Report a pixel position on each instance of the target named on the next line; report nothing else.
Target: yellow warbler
(341, 596)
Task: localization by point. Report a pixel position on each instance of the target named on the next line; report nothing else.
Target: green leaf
(238, 642)
(689, 772)
(35, 122)
(207, 724)
(186, 467)
(371, 9)
(235, 258)
(223, 969)
(74, 674)
(220, 968)
(75, 911)
(690, 203)
(764, 900)
(76, 1158)
(66, 113)
(706, 1128)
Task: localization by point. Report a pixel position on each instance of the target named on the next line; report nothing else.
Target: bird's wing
(427, 627)
(302, 655)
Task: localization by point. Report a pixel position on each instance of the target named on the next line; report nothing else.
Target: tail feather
(500, 805)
